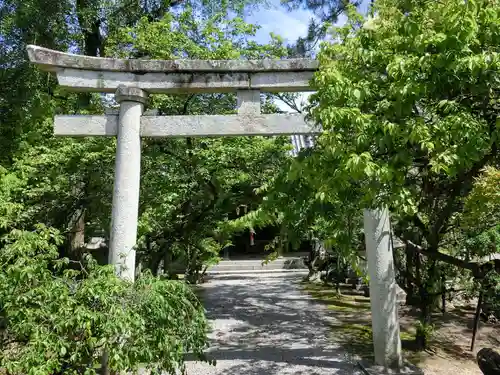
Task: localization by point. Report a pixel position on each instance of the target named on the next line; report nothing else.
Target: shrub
(60, 316)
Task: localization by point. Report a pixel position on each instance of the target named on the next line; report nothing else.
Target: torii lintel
(97, 74)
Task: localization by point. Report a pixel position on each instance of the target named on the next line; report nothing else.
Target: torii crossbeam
(246, 78)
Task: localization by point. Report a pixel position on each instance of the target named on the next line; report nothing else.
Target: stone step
(257, 265)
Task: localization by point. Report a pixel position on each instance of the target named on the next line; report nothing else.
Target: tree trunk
(76, 235)
(90, 25)
(443, 294)
(410, 256)
(476, 319)
(425, 314)
(192, 273)
(92, 47)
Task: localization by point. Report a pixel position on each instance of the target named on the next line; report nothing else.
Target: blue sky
(276, 19)
(289, 25)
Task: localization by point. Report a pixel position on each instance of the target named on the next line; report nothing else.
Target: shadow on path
(264, 324)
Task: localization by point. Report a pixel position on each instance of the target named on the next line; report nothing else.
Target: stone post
(127, 181)
(248, 102)
(383, 289)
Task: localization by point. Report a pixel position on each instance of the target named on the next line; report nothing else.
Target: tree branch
(289, 103)
(186, 104)
(479, 270)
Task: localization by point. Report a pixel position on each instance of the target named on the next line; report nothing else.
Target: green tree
(480, 229)
(67, 183)
(31, 98)
(49, 301)
(303, 214)
(408, 101)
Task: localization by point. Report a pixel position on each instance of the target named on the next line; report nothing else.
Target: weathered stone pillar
(127, 181)
(248, 102)
(383, 288)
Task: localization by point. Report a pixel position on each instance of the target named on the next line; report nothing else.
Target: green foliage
(54, 311)
(292, 203)
(67, 183)
(424, 330)
(56, 318)
(482, 206)
(207, 178)
(486, 245)
(491, 289)
(408, 104)
(183, 35)
(211, 7)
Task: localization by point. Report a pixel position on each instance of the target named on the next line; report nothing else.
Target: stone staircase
(256, 265)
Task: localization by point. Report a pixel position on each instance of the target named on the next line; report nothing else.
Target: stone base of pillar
(407, 369)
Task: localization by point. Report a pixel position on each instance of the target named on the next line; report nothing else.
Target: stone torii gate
(133, 80)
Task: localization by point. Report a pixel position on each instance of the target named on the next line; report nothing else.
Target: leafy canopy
(408, 101)
(54, 312)
(207, 178)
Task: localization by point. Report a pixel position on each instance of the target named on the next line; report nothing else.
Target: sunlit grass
(335, 301)
(354, 330)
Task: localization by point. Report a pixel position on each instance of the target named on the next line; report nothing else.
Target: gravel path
(264, 324)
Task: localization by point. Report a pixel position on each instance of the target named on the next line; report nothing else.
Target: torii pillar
(133, 80)
(125, 207)
(383, 288)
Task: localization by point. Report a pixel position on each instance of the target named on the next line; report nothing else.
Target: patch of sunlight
(407, 336)
(354, 329)
(334, 301)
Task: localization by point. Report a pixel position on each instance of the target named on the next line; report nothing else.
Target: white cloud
(276, 19)
(301, 101)
(341, 20)
(283, 24)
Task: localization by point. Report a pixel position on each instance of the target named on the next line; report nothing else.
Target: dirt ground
(450, 343)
